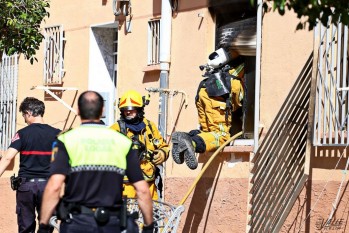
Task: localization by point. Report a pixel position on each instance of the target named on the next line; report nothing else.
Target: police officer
(153, 150)
(92, 160)
(34, 143)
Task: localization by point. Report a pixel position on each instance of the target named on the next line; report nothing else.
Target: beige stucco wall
(76, 25)
(219, 201)
(76, 19)
(284, 53)
(192, 41)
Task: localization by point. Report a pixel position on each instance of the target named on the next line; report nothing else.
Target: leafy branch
(313, 10)
(20, 31)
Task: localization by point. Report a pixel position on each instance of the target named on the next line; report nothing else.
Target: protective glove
(43, 228)
(159, 157)
(149, 228)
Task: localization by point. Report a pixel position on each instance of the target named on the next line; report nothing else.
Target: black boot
(183, 149)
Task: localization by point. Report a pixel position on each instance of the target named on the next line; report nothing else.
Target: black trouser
(28, 201)
(86, 223)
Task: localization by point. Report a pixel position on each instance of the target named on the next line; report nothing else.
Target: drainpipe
(165, 57)
(258, 74)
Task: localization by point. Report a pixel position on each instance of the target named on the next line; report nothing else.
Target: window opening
(53, 55)
(238, 37)
(115, 54)
(154, 42)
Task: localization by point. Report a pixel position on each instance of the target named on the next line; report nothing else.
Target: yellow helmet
(131, 100)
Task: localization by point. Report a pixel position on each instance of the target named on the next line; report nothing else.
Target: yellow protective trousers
(214, 124)
(130, 192)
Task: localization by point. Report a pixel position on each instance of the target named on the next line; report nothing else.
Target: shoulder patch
(15, 138)
(54, 153)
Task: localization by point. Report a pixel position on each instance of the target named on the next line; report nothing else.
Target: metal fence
(277, 174)
(8, 99)
(331, 117)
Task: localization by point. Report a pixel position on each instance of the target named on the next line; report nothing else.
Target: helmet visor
(129, 108)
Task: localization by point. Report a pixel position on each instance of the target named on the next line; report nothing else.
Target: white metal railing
(8, 99)
(331, 118)
(277, 172)
(53, 55)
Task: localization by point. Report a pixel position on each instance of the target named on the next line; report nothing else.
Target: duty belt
(101, 214)
(88, 210)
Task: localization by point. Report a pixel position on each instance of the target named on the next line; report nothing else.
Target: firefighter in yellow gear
(146, 138)
(219, 97)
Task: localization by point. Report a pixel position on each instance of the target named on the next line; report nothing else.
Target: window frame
(54, 55)
(154, 41)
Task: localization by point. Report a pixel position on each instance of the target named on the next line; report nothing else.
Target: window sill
(151, 68)
(236, 149)
(239, 145)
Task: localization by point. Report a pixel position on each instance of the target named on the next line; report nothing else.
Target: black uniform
(34, 143)
(92, 188)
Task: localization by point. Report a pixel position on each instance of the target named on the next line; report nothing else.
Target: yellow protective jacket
(150, 136)
(214, 124)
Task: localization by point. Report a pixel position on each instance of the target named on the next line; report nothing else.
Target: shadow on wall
(278, 166)
(330, 157)
(202, 198)
(151, 76)
(320, 197)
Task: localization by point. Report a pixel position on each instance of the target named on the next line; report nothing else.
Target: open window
(236, 26)
(154, 42)
(53, 55)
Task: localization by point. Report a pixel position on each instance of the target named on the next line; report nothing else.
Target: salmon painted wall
(192, 41)
(76, 18)
(219, 201)
(284, 53)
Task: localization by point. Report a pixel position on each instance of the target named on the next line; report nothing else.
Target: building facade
(156, 47)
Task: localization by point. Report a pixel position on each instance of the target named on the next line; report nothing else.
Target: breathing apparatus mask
(218, 84)
(217, 77)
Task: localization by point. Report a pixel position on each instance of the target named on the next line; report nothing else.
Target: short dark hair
(33, 105)
(90, 105)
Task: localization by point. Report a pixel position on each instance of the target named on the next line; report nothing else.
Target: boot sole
(189, 153)
(177, 155)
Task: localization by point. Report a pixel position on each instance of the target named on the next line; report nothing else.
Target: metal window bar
(53, 55)
(8, 101)
(331, 116)
(115, 54)
(153, 42)
(278, 167)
